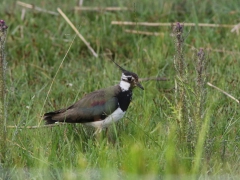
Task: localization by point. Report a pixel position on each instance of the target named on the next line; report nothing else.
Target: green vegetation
(148, 143)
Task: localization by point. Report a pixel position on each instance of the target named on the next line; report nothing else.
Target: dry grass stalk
(30, 6)
(127, 23)
(143, 32)
(236, 28)
(80, 2)
(3, 130)
(64, 40)
(153, 78)
(216, 50)
(36, 127)
(77, 32)
(222, 51)
(23, 14)
(224, 92)
(81, 8)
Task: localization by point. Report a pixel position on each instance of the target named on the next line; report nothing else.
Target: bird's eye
(129, 78)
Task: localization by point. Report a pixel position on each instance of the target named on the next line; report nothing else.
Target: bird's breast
(114, 117)
(124, 99)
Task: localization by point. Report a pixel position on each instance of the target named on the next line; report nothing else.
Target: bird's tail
(56, 116)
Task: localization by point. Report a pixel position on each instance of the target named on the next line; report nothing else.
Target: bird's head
(129, 80)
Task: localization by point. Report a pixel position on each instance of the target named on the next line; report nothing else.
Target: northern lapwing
(99, 108)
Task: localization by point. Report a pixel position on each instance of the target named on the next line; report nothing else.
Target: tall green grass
(145, 144)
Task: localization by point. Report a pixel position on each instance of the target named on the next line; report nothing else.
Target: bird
(99, 108)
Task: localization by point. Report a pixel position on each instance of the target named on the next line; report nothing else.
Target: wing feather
(90, 108)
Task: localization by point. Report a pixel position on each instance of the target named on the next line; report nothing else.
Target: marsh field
(179, 127)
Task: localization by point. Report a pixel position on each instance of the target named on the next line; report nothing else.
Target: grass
(145, 144)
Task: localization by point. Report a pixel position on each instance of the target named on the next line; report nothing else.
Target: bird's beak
(140, 86)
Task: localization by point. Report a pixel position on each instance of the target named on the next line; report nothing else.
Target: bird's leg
(98, 130)
(98, 135)
(106, 133)
(109, 137)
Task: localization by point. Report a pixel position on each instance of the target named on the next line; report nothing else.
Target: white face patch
(124, 84)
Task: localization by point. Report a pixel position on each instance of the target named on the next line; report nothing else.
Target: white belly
(114, 117)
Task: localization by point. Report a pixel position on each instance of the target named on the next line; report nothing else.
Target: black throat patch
(124, 99)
